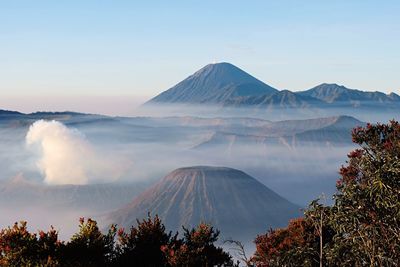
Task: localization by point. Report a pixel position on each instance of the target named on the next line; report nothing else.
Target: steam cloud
(66, 156)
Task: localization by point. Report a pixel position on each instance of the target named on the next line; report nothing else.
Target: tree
(366, 213)
(295, 245)
(197, 249)
(19, 247)
(319, 216)
(362, 227)
(148, 244)
(49, 248)
(141, 246)
(89, 247)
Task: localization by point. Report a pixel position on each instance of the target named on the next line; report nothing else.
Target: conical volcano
(214, 83)
(229, 199)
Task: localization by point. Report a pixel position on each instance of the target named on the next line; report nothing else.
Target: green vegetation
(145, 245)
(361, 228)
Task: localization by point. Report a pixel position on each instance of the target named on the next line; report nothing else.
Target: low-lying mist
(88, 153)
(369, 113)
(86, 150)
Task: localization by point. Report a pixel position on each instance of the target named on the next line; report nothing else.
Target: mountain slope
(224, 84)
(229, 199)
(316, 132)
(338, 132)
(9, 112)
(214, 83)
(333, 93)
(280, 99)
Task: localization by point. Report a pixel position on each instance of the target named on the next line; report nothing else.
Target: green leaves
(367, 208)
(147, 244)
(19, 247)
(364, 220)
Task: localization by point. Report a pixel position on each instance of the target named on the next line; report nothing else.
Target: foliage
(295, 245)
(367, 206)
(362, 227)
(197, 249)
(19, 247)
(89, 247)
(141, 246)
(147, 244)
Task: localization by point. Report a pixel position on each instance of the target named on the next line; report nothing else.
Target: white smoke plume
(66, 156)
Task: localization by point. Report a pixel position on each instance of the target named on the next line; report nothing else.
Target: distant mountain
(229, 199)
(225, 85)
(338, 132)
(9, 112)
(317, 132)
(394, 97)
(280, 99)
(339, 94)
(14, 119)
(214, 83)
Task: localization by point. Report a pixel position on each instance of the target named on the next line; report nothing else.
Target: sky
(113, 55)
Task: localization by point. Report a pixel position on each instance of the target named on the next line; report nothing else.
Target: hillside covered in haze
(229, 199)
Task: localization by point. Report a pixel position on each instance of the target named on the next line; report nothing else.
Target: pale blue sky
(140, 48)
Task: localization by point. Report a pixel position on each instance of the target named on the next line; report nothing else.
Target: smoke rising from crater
(65, 156)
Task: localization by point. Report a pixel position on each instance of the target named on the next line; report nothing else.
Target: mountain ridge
(332, 93)
(228, 86)
(214, 83)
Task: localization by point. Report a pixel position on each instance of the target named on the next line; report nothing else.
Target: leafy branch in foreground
(362, 227)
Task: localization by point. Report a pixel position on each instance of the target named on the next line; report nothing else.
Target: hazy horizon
(102, 105)
(137, 50)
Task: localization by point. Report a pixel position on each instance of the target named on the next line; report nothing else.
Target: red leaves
(349, 174)
(362, 225)
(121, 232)
(380, 146)
(272, 245)
(378, 135)
(42, 235)
(357, 153)
(17, 244)
(388, 145)
(367, 201)
(147, 244)
(357, 135)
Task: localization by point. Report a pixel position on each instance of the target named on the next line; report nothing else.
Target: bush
(18, 247)
(362, 228)
(89, 247)
(197, 249)
(141, 246)
(147, 244)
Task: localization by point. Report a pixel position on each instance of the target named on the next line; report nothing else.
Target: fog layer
(298, 159)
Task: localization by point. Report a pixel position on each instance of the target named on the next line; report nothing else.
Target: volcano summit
(229, 199)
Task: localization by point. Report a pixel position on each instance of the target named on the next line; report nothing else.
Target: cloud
(65, 156)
